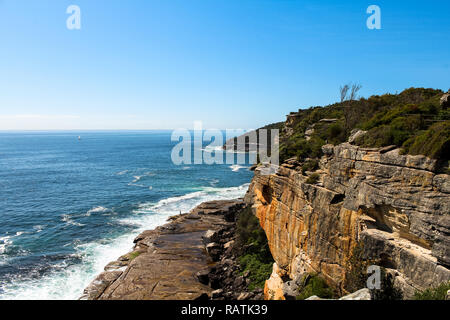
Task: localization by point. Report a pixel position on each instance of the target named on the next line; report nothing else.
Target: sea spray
(68, 282)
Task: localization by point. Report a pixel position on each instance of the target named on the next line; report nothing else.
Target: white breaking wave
(148, 212)
(214, 182)
(69, 282)
(97, 210)
(138, 178)
(38, 228)
(4, 242)
(236, 167)
(68, 219)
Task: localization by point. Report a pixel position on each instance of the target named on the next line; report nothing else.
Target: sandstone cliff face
(397, 206)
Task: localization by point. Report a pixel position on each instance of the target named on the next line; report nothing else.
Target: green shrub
(315, 286)
(259, 271)
(356, 275)
(434, 142)
(436, 293)
(310, 165)
(387, 290)
(336, 133)
(392, 119)
(252, 249)
(302, 149)
(313, 179)
(133, 255)
(376, 137)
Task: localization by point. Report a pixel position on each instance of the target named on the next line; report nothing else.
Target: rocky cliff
(353, 208)
(171, 262)
(396, 207)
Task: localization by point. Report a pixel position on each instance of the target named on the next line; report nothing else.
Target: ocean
(68, 206)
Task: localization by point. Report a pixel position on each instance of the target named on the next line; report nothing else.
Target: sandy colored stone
(273, 289)
(168, 261)
(397, 204)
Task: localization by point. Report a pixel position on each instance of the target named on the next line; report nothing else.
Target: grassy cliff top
(414, 120)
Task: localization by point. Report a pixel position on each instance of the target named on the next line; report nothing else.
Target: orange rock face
(273, 289)
(296, 226)
(389, 201)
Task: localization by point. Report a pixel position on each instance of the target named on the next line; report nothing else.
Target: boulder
(216, 294)
(314, 298)
(210, 236)
(244, 296)
(445, 100)
(273, 289)
(363, 294)
(290, 290)
(239, 282)
(229, 244)
(213, 250)
(355, 134)
(203, 276)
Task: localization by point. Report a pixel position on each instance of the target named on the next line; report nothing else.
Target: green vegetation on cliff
(437, 293)
(252, 249)
(313, 285)
(413, 120)
(356, 276)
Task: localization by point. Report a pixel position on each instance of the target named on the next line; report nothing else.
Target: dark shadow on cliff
(252, 249)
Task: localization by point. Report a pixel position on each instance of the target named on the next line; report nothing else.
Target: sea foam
(68, 282)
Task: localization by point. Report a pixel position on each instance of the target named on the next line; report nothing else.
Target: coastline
(191, 244)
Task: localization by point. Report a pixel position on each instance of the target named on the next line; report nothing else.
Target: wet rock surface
(182, 260)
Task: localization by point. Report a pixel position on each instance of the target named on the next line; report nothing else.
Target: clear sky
(230, 63)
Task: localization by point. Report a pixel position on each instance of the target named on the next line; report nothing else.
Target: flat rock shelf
(168, 263)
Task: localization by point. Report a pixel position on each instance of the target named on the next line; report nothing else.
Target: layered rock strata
(172, 261)
(396, 206)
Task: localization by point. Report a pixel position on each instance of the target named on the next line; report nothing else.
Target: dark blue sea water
(70, 206)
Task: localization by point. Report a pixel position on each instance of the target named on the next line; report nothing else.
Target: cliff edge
(394, 207)
(171, 262)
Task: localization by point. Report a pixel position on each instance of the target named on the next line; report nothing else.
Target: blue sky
(229, 63)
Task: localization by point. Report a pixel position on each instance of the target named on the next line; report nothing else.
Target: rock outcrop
(396, 206)
(445, 100)
(173, 261)
(363, 294)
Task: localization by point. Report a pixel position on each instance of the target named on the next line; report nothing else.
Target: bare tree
(344, 90)
(349, 108)
(354, 92)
